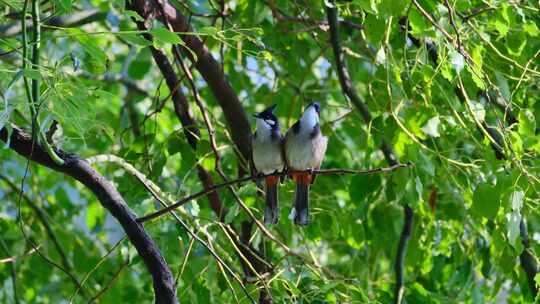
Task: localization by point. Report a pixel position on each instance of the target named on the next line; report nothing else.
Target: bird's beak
(256, 115)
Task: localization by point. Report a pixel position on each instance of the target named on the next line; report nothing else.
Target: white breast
(303, 152)
(267, 154)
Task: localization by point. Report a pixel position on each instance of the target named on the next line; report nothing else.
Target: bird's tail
(271, 213)
(301, 198)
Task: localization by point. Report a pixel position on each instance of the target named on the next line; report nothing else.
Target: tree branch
(216, 187)
(251, 257)
(73, 20)
(447, 36)
(400, 255)
(527, 259)
(386, 148)
(109, 198)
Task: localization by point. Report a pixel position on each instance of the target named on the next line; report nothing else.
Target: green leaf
(393, 7)
(516, 200)
(231, 215)
(362, 186)
(514, 219)
(134, 15)
(65, 5)
(188, 156)
(515, 43)
(165, 36)
(31, 73)
(486, 201)
(527, 123)
(208, 30)
(94, 215)
(376, 25)
(96, 60)
(531, 29)
(501, 27)
(134, 39)
(16, 5)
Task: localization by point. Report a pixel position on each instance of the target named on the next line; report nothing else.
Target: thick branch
(109, 197)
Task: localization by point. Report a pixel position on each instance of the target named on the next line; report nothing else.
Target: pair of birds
(299, 152)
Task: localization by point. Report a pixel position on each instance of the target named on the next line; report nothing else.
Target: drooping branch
(249, 178)
(110, 198)
(182, 111)
(349, 91)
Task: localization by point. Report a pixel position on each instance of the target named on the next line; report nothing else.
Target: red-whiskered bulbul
(268, 159)
(304, 151)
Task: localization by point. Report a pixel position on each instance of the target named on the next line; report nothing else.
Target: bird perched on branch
(268, 159)
(304, 147)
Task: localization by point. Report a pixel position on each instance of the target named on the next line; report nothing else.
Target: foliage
(444, 102)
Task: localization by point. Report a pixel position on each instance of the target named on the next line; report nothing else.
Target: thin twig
(528, 261)
(216, 187)
(101, 261)
(111, 282)
(446, 35)
(12, 259)
(42, 217)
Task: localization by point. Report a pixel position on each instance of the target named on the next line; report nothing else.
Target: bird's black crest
(268, 114)
(316, 105)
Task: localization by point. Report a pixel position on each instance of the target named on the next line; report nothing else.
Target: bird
(304, 147)
(268, 159)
